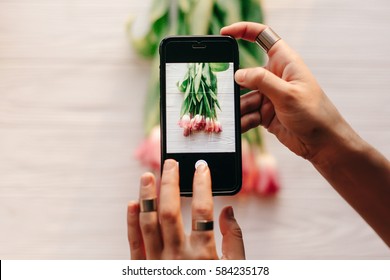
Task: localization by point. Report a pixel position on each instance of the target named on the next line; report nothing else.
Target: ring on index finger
(267, 38)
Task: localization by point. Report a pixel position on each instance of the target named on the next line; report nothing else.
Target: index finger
(284, 64)
(250, 30)
(244, 30)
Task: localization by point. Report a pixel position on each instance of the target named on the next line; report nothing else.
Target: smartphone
(200, 109)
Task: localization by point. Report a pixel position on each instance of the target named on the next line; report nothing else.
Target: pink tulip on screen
(217, 126)
(209, 125)
(185, 121)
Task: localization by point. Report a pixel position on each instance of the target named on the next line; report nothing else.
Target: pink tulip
(259, 171)
(185, 121)
(192, 124)
(149, 150)
(268, 182)
(198, 122)
(217, 126)
(186, 131)
(250, 173)
(209, 125)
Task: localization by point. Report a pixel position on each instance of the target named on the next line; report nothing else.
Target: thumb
(232, 241)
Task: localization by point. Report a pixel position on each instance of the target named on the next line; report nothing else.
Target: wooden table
(71, 98)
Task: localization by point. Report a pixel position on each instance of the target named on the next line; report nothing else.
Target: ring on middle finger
(202, 225)
(148, 205)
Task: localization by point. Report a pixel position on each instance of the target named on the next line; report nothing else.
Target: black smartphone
(200, 109)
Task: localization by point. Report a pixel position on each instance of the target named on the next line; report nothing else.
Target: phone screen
(200, 110)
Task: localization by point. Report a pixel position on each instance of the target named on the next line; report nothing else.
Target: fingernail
(201, 168)
(240, 75)
(132, 208)
(230, 212)
(169, 164)
(146, 179)
(201, 165)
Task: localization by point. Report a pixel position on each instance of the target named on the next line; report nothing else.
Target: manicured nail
(201, 168)
(169, 164)
(201, 165)
(240, 75)
(230, 212)
(133, 208)
(146, 180)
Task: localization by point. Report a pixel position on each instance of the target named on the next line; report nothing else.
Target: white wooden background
(71, 96)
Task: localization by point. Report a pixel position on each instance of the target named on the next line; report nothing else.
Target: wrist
(341, 145)
(361, 175)
(347, 161)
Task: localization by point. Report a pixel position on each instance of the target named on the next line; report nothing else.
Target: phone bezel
(227, 175)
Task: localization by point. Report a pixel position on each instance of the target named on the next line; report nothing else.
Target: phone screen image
(200, 117)
(200, 107)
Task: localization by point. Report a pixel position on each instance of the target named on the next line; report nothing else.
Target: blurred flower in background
(200, 17)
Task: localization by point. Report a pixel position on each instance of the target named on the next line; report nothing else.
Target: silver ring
(267, 38)
(202, 225)
(148, 205)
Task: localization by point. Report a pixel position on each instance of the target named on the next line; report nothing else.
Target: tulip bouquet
(200, 103)
(199, 110)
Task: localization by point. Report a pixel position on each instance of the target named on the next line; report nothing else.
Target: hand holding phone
(200, 112)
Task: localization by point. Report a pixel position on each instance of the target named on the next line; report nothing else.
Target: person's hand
(160, 234)
(286, 98)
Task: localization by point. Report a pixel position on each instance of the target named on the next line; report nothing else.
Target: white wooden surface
(71, 96)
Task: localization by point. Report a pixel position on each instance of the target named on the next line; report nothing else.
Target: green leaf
(251, 11)
(217, 103)
(191, 68)
(184, 107)
(198, 76)
(232, 10)
(187, 92)
(146, 40)
(206, 74)
(214, 82)
(190, 109)
(185, 5)
(193, 100)
(182, 86)
(219, 66)
(212, 94)
(158, 9)
(207, 106)
(199, 93)
(199, 16)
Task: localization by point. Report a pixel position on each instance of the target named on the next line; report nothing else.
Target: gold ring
(148, 205)
(267, 38)
(202, 225)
